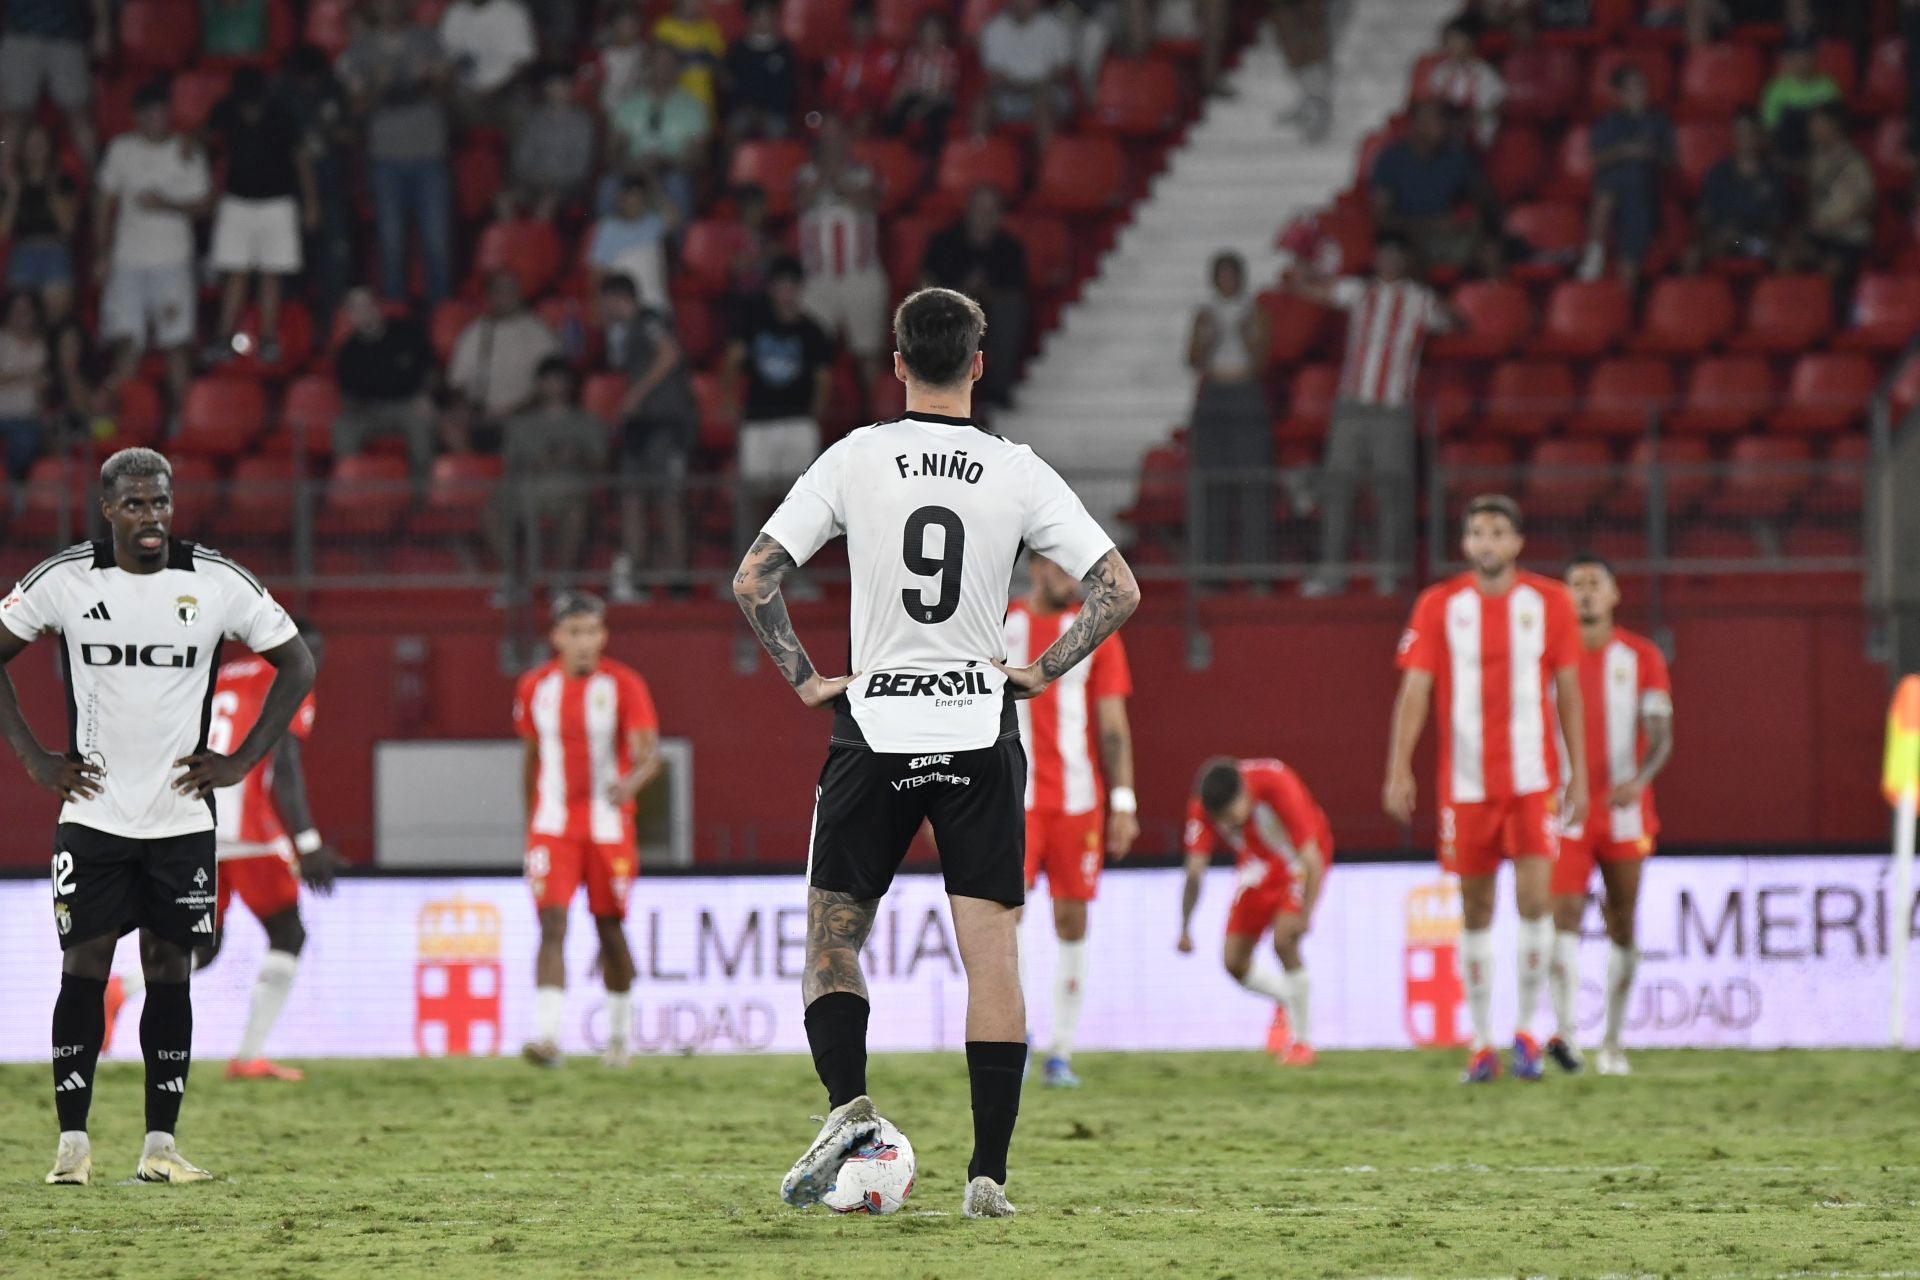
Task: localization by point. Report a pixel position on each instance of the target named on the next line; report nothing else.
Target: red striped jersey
(839, 237)
(247, 822)
(1285, 818)
(1058, 728)
(582, 725)
(1621, 683)
(1493, 659)
(1387, 324)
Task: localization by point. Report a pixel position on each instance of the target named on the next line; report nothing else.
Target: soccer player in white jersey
(935, 511)
(1629, 705)
(140, 617)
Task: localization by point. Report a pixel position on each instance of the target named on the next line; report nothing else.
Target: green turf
(1202, 1165)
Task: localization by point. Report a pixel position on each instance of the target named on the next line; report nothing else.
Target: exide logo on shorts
(922, 762)
(138, 655)
(946, 684)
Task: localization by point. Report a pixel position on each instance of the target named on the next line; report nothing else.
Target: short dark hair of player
(1219, 784)
(1587, 558)
(133, 464)
(1493, 504)
(938, 331)
(785, 267)
(577, 604)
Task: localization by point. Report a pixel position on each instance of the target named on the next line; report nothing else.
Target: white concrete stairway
(1111, 380)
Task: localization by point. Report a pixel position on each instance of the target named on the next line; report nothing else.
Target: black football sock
(79, 1029)
(166, 1039)
(837, 1032)
(994, 1067)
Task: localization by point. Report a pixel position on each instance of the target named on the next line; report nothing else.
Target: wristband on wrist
(308, 841)
(1122, 800)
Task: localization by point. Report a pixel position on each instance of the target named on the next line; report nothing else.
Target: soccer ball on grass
(877, 1177)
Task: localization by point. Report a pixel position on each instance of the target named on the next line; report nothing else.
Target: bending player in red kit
(1283, 848)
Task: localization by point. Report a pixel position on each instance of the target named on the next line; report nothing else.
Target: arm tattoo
(1112, 596)
(757, 589)
(837, 927)
(1659, 732)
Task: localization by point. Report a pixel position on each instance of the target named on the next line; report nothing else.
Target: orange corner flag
(1901, 774)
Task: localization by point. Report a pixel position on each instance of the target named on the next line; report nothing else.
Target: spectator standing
(1388, 319)
(1230, 436)
(153, 185)
(659, 427)
(554, 453)
(233, 28)
(622, 57)
(396, 74)
(926, 92)
(1791, 97)
(1742, 201)
(270, 197)
(489, 43)
(699, 47)
(39, 209)
(632, 240)
(43, 48)
(1632, 147)
(553, 150)
(1028, 56)
(978, 256)
(497, 356)
(839, 231)
(857, 81)
(70, 353)
(384, 369)
(661, 131)
(309, 91)
(763, 77)
(1465, 81)
(24, 378)
(774, 383)
(1430, 190)
(1838, 228)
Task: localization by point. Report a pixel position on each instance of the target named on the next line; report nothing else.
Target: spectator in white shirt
(1028, 56)
(1231, 432)
(1464, 80)
(489, 42)
(153, 184)
(496, 361)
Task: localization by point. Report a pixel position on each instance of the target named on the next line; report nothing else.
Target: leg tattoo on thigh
(837, 927)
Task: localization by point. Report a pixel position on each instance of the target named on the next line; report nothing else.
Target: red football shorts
(1573, 870)
(1255, 905)
(556, 866)
(1070, 848)
(268, 885)
(1476, 838)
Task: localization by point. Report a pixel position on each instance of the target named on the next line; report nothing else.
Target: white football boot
(985, 1198)
(162, 1162)
(72, 1163)
(813, 1173)
(1611, 1060)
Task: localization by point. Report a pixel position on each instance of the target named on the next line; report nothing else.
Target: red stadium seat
(1765, 477)
(976, 14)
(1081, 177)
(479, 171)
(1447, 399)
(1685, 315)
(449, 318)
(1567, 477)
(1826, 392)
(1842, 486)
(1049, 247)
(222, 415)
(1716, 80)
(1893, 167)
(260, 500)
(196, 484)
(897, 166)
(907, 246)
(706, 255)
(772, 165)
(1655, 63)
(312, 403)
(896, 21)
(158, 35)
(295, 336)
(1309, 403)
(1698, 146)
(194, 95)
(1834, 59)
(1725, 395)
(330, 24)
(1516, 164)
(1886, 314)
(1526, 397)
(530, 249)
(459, 491)
(1572, 176)
(1685, 469)
(1885, 91)
(1296, 325)
(367, 495)
(1553, 228)
(1542, 83)
(1621, 397)
(55, 485)
(138, 416)
(716, 430)
(1476, 455)
(1786, 314)
(1584, 318)
(816, 27)
(967, 163)
(1137, 97)
(1498, 317)
(602, 396)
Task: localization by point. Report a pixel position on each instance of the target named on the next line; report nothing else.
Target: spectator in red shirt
(927, 89)
(858, 80)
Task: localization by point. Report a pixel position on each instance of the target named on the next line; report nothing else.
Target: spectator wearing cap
(1632, 149)
(554, 453)
(553, 150)
(497, 357)
(775, 382)
(763, 77)
(1429, 189)
(1743, 205)
(1230, 435)
(270, 196)
(153, 186)
(659, 427)
(978, 256)
(1027, 52)
(44, 48)
(384, 370)
(489, 43)
(1797, 90)
(661, 131)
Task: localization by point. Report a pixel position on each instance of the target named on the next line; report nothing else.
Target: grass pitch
(1202, 1165)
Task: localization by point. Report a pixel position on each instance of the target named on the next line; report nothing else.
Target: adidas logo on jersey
(99, 613)
(72, 1082)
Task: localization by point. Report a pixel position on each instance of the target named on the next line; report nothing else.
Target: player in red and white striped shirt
(1628, 699)
(1501, 649)
(1464, 80)
(839, 231)
(592, 743)
(1069, 830)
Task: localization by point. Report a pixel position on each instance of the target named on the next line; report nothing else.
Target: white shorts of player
(774, 451)
(257, 235)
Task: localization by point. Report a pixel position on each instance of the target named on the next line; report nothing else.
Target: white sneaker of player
(72, 1163)
(162, 1162)
(814, 1172)
(1611, 1060)
(985, 1198)
(617, 1056)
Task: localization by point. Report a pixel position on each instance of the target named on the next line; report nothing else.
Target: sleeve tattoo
(756, 586)
(1112, 596)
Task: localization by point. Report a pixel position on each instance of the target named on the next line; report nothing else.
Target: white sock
(1069, 987)
(1265, 982)
(75, 1138)
(1476, 971)
(549, 1006)
(269, 997)
(1299, 1006)
(619, 1018)
(133, 982)
(1536, 947)
(156, 1143)
(1563, 983)
(1621, 962)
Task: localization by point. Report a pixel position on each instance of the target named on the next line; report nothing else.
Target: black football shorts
(870, 804)
(106, 886)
